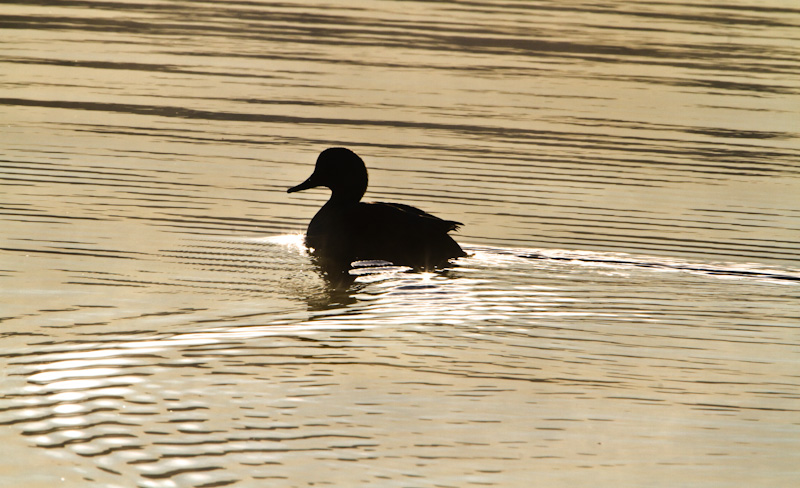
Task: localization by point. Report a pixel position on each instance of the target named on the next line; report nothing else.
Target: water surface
(627, 175)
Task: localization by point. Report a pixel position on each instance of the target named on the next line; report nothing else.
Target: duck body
(346, 230)
(392, 232)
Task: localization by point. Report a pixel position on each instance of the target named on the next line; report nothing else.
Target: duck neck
(341, 197)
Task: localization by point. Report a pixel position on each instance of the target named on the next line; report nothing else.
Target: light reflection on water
(588, 348)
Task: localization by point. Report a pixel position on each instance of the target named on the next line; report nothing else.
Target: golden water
(628, 178)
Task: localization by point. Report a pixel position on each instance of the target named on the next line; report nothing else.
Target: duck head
(342, 171)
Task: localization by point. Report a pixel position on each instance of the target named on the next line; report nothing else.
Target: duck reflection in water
(346, 229)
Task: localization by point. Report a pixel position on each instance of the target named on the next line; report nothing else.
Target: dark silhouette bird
(346, 230)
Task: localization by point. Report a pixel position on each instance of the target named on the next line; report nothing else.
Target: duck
(346, 230)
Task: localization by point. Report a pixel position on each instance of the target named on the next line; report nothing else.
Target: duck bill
(309, 183)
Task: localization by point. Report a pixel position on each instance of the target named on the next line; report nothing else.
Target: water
(626, 172)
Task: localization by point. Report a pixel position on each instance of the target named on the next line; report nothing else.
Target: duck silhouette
(346, 229)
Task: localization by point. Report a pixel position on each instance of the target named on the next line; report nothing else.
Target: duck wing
(425, 219)
(402, 234)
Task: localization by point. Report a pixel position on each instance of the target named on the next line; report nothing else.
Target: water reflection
(428, 361)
